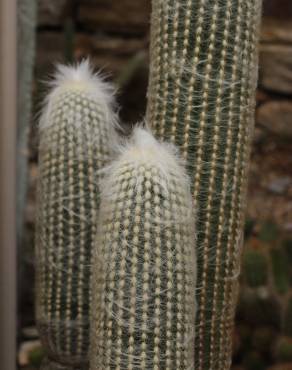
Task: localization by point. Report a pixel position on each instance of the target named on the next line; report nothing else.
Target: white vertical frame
(8, 117)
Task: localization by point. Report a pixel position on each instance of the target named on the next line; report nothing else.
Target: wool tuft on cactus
(144, 269)
(76, 129)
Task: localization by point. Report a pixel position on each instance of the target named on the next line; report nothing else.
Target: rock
(51, 12)
(280, 9)
(277, 21)
(276, 31)
(125, 16)
(262, 96)
(117, 46)
(254, 361)
(259, 137)
(280, 185)
(257, 311)
(281, 367)
(51, 51)
(276, 117)
(263, 338)
(110, 54)
(25, 350)
(30, 332)
(275, 72)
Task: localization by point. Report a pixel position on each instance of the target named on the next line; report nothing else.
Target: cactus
(35, 357)
(281, 270)
(144, 263)
(255, 268)
(287, 247)
(288, 318)
(75, 130)
(283, 349)
(203, 75)
(269, 232)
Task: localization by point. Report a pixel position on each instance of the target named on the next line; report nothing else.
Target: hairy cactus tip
(76, 130)
(82, 80)
(144, 264)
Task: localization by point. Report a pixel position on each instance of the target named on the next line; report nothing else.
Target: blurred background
(115, 34)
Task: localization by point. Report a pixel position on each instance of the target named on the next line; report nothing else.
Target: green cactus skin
(287, 247)
(255, 268)
(75, 131)
(283, 349)
(281, 270)
(144, 270)
(269, 232)
(203, 74)
(288, 318)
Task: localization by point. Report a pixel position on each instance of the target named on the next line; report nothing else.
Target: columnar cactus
(144, 270)
(75, 131)
(201, 97)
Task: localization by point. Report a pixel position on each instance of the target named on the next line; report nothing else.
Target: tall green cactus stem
(75, 131)
(144, 269)
(201, 97)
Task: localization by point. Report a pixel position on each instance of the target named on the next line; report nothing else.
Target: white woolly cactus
(144, 264)
(76, 128)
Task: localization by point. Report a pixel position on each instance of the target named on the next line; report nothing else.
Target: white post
(8, 116)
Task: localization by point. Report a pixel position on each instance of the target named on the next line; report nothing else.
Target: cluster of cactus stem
(140, 303)
(117, 250)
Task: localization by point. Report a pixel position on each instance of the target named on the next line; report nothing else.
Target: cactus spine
(74, 145)
(144, 263)
(201, 97)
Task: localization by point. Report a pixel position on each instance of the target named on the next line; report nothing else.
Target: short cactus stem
(75, 130)
(144, 269)
(201, 97)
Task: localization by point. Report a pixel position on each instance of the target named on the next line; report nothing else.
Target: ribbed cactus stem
(144, 270)
(75, 130)
(201, 97)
